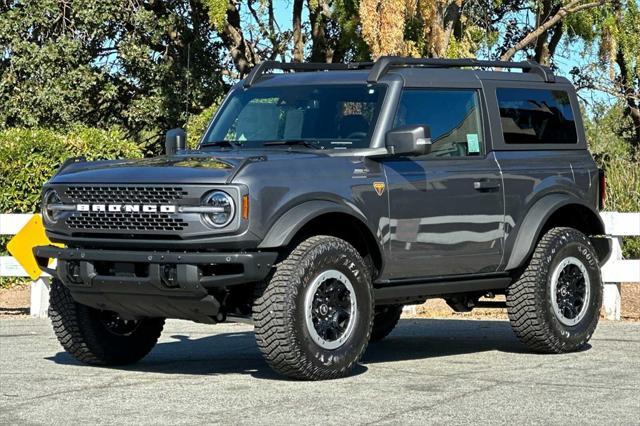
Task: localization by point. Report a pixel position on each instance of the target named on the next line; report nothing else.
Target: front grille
(125, 194)
(126, 221)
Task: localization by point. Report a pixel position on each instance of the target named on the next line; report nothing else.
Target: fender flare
(535, 220)
(286, 226)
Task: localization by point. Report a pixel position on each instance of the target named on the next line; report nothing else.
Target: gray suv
(322, 199)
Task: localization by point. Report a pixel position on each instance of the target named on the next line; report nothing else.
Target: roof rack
(384, 63)
(265, 66)
(380, 67)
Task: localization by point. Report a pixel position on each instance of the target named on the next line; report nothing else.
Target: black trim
(410, 290)
(380, 67)
(383, 64)
(603, 246)
(249, 267)
(265, 66)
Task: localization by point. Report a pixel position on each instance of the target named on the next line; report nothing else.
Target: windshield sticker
(473, 145)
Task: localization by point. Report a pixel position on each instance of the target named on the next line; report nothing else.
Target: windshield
(315, 116)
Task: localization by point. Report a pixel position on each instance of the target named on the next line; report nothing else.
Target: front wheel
(555, 304)
(313, 319)
(99, 337)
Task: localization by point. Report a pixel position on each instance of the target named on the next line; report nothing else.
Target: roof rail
(380, 67)
(384, 63)
(265, 66)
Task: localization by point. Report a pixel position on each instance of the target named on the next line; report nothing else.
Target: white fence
(616, 271)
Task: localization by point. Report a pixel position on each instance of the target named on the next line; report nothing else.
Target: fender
(535, 220)
(285, 228)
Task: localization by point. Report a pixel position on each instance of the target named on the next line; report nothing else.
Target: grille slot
(125, 194)
(125, 221)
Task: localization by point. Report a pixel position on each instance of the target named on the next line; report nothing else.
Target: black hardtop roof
(412, 70)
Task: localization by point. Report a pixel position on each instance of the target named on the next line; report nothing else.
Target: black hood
(190, 167)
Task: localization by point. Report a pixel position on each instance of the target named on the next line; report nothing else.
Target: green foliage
(197, 124)
(217, 11)
(606, 135)
(29, 157)
(105, 63)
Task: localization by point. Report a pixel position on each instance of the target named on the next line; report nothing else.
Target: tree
(548, 29)
(138, 65)
(251, 33)
(460, 28)
(614, 33)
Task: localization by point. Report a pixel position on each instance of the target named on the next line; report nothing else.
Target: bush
(29, 157)
(609, 144)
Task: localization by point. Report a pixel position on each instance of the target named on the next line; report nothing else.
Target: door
(446, 207)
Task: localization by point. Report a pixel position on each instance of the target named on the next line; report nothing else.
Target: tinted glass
(536, 116)
(452, 115)
(326, 116)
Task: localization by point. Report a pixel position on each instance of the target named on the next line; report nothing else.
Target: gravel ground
(427, 371)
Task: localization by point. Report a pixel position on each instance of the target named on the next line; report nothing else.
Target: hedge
(29, 157)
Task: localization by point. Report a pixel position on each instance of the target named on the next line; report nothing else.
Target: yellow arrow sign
(22, 244)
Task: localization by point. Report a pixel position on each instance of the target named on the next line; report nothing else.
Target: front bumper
(154, 283)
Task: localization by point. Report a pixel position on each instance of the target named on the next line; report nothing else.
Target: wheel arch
(554, 210)
(321, 217)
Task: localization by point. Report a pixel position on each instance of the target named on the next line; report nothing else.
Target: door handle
(485, 185)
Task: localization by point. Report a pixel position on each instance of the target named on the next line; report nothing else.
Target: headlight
(225, 207)
(50, 200)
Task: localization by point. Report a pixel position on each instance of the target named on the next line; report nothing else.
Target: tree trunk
(231, 34)
(632, 110)
(541, 46)
(450, 19)
(553, 43)
(298, 42)
(320, 51)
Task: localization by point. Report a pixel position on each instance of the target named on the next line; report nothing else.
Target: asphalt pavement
(426, 372)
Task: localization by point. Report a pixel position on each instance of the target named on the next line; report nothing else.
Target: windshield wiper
(223, 143)
(289, 142)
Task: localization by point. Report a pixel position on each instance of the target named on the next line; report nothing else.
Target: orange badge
(379, 187)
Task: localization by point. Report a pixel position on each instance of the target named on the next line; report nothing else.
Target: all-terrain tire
(82, 332)
(385, 319)
(282, 333)
(530, 303)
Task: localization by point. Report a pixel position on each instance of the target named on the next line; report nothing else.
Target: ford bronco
(322, 199)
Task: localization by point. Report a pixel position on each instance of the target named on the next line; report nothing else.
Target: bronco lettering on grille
(127, 208)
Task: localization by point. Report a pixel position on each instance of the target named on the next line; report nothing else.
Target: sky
(566, 57)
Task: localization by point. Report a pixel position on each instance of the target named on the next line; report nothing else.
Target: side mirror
(175, 140)
(409, 140)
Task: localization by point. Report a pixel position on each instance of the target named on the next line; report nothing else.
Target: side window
(536, 116)
(452, 115)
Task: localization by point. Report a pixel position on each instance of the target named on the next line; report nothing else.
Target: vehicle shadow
(237, 353)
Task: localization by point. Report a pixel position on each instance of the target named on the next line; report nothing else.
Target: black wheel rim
(330, 307)
(570, 291)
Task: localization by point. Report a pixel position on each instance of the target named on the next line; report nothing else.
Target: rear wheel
(313, 319)
(99, 337)
(384, 321)
(555, 304)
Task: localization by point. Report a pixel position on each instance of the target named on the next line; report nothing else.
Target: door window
(453, 117)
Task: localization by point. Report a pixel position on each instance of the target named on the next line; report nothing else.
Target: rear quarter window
(536, 116)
